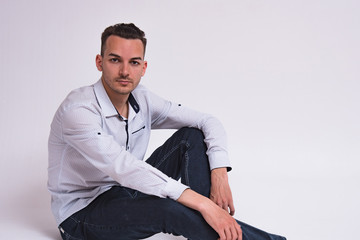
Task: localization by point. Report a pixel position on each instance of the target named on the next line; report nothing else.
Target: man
(102, 189)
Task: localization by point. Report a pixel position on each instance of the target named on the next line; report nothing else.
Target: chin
(124, 91)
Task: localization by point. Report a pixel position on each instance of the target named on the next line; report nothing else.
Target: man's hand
(219, 219)
(220, 192)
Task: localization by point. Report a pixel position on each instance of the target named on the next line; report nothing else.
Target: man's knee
(194, 134)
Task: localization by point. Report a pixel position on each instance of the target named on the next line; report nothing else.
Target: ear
(144, 68)
(98, 61)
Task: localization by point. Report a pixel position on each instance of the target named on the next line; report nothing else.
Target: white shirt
(90, 149)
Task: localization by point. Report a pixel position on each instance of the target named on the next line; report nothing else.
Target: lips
(123, 81)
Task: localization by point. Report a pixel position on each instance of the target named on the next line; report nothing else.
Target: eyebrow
(118, 56)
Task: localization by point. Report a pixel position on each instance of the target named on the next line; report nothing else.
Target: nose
(124, 70)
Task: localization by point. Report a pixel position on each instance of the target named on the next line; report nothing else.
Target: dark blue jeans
(123, 213)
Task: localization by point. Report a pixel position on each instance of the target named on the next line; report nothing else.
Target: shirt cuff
(174, 189)
(219, 159)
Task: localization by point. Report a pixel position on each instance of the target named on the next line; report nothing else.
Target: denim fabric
(123, 213)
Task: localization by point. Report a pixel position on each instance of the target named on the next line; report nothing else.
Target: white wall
(283, 77)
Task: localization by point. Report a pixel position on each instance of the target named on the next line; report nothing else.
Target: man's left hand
(220, 192)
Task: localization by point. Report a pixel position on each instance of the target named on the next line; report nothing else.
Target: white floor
(301, 209)
(26, 215)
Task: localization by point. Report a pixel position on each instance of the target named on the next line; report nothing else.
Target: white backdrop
(283, 77)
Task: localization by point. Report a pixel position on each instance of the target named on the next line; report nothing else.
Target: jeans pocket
(66, 236)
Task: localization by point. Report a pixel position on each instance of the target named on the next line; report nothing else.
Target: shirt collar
(106, 104)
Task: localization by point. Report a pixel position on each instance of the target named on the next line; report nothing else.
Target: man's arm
(220, 192)
(168, 115)
(219, 219)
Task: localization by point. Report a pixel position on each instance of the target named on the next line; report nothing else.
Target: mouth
(123, 81)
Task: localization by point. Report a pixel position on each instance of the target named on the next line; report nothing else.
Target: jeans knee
(193, 134)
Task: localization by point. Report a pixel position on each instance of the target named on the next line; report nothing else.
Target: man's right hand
(219, 219)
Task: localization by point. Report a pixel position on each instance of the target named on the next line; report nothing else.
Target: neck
(120, 101)
(122, 109)
(121, 105)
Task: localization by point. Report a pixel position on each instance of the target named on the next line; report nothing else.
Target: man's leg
(123, 213)
(183, 156)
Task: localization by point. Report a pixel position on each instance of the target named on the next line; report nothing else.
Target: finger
(239, 231)
(233, 234)
(235, 230)
(228, 234)
(232, 208)
(222, 235)
(225, 207)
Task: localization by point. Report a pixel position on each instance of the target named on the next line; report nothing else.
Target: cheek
(136, 74)
(140, 75)
(109, 70)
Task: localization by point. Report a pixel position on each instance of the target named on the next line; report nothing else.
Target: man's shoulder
(84, 92)
(79, 96)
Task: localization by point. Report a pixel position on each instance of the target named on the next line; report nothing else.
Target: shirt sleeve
(169, 115)
(82, 130)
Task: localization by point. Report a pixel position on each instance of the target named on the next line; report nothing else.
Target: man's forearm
(193, 200)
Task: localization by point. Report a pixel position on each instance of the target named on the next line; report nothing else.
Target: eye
(135, 63)
(114, 60)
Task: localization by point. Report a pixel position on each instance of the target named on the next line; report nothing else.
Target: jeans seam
(74, 219)
(131, 195)
(187, 178)
(170, 152)
(112, 227)
(186, 155)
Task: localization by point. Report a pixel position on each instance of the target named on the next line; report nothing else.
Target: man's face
(122, 65)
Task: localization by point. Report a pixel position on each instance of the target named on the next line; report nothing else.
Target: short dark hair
(124, 30)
